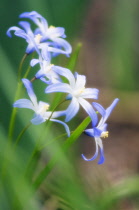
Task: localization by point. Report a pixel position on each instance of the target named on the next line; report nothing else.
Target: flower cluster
(47, 42)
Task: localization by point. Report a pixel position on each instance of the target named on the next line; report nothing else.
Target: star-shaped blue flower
(27, 34)
(100, 131)
(55, 35)
(47, 71)
(40, 108)
(77, 93)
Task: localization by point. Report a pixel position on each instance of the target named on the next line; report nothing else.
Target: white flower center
(48, 68)
(38, 38)
(78, 92)
(52, 33)
(43, 109)
(51, 27)
(104, 134)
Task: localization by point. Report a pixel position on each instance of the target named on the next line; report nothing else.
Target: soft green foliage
(43, 172)
(74, 136)
(122, 44)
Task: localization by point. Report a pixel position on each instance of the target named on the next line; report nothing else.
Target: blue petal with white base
(55, 34)
(40, 108)
(100, 131)
(77, 93)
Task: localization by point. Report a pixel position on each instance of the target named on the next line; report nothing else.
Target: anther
(104, 134)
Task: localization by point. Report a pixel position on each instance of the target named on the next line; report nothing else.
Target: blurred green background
(109, 32)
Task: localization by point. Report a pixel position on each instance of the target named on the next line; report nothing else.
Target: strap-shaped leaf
(74, 57)
(68, 142)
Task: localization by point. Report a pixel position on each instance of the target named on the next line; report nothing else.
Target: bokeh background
(109, 57)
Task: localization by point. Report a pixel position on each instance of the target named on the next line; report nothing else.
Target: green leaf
(74, 57)
(128, 188)
(69, 141)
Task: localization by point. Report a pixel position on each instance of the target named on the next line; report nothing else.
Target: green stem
(32, 162)
(35, 155)
(20, 66)
(50, 142)
(13, 115)
(56, 108)
(21, 134)
(36, 149)
(29, 67)
(4, 168)
(17, 94)
(69, 141)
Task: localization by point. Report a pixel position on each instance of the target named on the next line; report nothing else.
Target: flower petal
(23, 103)
(102, 158)
(97, 132)
(30, 38)
(108, 112)
(40, 74)
(67, 49)
(80, 81)
(55, 32)
(58, 87)
(26, 26)
(103, 127)
(90, 93)
(72, 109)
(13, 28)
(21, 33)
(89, 109)
(42, 104)
(64, 124)
(37, 19)
(34, 61)
(58, 114)
(94, 156)
(99, 142)
(93, 132)
(30, 15)
(89, 132)
(45, 51)
(52, 115)
(43, 79)
(38, 119)
(29, 88)
(66, 73)
(99, 108)
(111, 107)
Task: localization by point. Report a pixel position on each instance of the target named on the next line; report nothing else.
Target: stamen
(46, 107)
(104, 134)
(38, 38)
(48, 68)
(78, 92)
(43, 109)
(51, 26)
(81, 90)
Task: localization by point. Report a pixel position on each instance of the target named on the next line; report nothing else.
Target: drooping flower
(47, 71)
(52, 35)
(100, 131)
(77, 93)
(40, 108)
(27, 34)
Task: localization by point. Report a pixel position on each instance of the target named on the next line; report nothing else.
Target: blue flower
(46, 70)
(27, 34)
(40, 109)
(77, 93)
(100, 131)
(55, 35)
